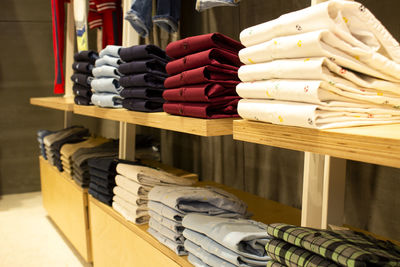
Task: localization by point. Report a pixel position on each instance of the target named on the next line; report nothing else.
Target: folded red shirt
(204, 74)
(200, 92)
(215, 57)
(203, 42)
(217, 109)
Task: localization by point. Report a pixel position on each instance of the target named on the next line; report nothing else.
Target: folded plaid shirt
(286, 254)
(273, 263)
(346, 248)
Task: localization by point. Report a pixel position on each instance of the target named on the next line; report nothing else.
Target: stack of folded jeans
(168, 205)
(80, 167)
(216, 241)
(315, 69)
(41, 135)
(143, 80)
(134, 181)
(68, 150)
(54, 142)
(300, 246)
(106, 84)
(204, 77)
(82, 77)
(102, 178)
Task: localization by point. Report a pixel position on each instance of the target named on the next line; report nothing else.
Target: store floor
(29, 237)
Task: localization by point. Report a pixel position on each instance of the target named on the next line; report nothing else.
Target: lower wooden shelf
(117, 242)
(60, 102)
(67, 205)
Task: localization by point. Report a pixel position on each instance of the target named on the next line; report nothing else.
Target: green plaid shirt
(273, 263)
(346, 248)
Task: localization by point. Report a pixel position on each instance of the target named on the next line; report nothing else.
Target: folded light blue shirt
(106, 85)
(110, 50)
(107, 100)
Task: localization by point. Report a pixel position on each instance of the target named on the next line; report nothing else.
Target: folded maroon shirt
(203, 42)
(215, 57)
(200, 92)
(217, 109)
(204, 74)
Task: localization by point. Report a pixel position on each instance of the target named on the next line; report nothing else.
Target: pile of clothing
(143, 80)
(41, 134)
(82, 77)
(300, 246)
(330, 65)
(168, 206)
(102, 178)
(80, 167)
(106, 84)
(204, 77)
(68, 150)
(216, 241)
(134, 181)
(53, 142)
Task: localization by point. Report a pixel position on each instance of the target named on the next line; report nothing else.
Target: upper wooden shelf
(162, 120)
(60, 103)
(379, 144)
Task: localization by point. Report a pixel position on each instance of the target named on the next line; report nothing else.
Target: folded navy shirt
(214, 57)
(203, 42)
(80, 90)
(153, 66)
(143, 93)
(82, 100)
(142, 80)
(82, 79)
(106, 199)
(138, 52)
(107, 164)
(86, 56)
(108, 175)
(142, 105)
(83, 67)
(102, 182)
(219, 108)
(204, 74)
(200, 92)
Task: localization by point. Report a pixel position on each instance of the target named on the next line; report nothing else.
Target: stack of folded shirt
(168, 205)
(54, 142)
(102, 178)
(329, 65)
(106, 84)
(300, 246)
(216, 241)
(80, 167)
(41, 135)
(82, 76)
(68, 150)
(134, 181)
(143, 80)
(204, 77)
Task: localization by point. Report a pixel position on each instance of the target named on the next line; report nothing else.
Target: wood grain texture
(66, 204)
(161, 120)
(60, 103)
(373, 144)
(117, 242)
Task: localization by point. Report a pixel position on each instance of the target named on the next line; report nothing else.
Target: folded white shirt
(132, 186)
(313, 116)
(349, 20)
(323, 43)
(150, 176)
(130, 197)
(315, 92)
(128, 215)
(132, 210)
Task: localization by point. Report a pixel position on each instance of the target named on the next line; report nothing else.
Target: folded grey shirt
(204, 256)
(166, 211)
(177, 248)
(206, 200)
(80, 155)
(170, 224)
(245, 237)
(196, 261)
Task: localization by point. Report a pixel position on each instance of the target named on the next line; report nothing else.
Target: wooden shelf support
(127, 138)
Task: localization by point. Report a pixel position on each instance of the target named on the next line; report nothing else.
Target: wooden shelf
(119, 242)
(60, 103)
(378, 144)
(161, 120)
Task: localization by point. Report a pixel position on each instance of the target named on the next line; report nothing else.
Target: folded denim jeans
(142, 93)
(142, 80)
(106, 72)
(214, 57)
(106, 85)
(204, 74)
(106, 164)
(175, 247)
(153, 66)
(142, 52)
(101, 189)
(110, 50)
(143, 105)
(200, 43)
(107, 100)
(103, 174)
(108, 61)
(106, 199)
(199, 92)
(82, 67)
(86, 56)
(202, 5)
(168, 15)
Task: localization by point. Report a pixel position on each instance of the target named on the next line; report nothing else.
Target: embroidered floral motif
(306, 88)
(251, 61)
(280, 119)
(345, 19)
(307, 59)
(298, 27)
(299, 43)
(310, 121)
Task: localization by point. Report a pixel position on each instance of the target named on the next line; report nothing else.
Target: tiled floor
(29, 238)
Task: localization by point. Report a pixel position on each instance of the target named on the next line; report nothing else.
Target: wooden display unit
(67, 205)
(60, 103)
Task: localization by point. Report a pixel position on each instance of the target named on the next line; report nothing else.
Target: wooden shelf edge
(59, 103)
